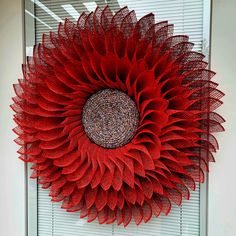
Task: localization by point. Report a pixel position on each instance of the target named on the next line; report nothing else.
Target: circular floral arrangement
(117, 116)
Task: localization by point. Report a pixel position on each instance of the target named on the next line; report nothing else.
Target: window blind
(187, 16)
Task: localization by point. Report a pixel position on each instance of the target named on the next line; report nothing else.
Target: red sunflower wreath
(117, 116)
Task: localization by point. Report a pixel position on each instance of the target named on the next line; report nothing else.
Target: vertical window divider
(31, 184)
(205, 48)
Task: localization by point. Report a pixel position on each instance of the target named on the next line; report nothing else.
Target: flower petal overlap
(175, 97)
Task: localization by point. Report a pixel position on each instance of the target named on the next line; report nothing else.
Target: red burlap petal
(175, 97)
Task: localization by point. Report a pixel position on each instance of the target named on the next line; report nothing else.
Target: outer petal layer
(176, 101)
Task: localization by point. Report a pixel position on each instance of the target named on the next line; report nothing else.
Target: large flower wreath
(117, 116)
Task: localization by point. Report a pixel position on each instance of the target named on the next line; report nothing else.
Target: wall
(222, 191)
(12, 190)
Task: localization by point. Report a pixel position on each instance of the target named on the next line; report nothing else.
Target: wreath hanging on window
(117, 116)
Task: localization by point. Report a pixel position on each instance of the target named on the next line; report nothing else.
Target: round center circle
(110, 118)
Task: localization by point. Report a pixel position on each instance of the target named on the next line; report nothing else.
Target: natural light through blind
(187, 15)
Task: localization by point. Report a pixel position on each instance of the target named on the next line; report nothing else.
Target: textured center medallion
(110, 118)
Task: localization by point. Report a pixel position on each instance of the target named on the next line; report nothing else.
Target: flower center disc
(110, 118)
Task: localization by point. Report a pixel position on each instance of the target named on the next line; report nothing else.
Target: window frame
(31, 184)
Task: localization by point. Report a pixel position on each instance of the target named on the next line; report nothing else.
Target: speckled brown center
(110, 118)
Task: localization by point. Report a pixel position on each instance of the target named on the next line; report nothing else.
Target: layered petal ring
(117, 116)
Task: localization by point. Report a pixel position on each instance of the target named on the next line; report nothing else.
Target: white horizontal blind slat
(45, 217)
(187, 16)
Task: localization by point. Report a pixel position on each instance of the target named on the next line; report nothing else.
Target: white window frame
(31, 185)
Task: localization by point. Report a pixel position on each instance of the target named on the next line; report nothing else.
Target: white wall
(12, 187)
(222, 185)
